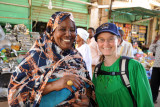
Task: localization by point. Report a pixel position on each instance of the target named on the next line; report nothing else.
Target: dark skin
(79, 41)
(156, 38)
(64, 36)
(91, 33)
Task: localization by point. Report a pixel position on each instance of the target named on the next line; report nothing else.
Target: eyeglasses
(102, 40)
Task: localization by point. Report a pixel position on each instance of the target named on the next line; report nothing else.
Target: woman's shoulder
(132, 62)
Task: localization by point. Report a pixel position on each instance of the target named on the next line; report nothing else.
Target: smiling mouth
(66, 40)
(107, 48)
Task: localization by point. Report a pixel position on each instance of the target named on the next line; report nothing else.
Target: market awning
(41, 13)
(134, 15)
(14, 12)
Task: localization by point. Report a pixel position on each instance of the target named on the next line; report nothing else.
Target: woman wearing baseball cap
(109, 87)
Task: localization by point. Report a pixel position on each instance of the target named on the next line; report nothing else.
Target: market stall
(133, 33)
(13, 46)
(137, 22)
(145, 58)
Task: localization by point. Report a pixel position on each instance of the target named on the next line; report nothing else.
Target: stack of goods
(149, 58)
(5, 67)
(14, 45)
(148, 63)
(146, 59)
(25, 41)
(119, 24)
(8, 53)
(23, 37)
(20, 37)
(35, 36)
(128, 32)
(142, 31)
(135, 30)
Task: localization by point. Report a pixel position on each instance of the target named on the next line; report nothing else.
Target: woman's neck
(109, 60)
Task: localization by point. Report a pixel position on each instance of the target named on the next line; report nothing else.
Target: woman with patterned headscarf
(53, 72)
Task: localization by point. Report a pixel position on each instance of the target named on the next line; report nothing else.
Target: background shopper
(155, 80)
(84, 49)
(125, 48)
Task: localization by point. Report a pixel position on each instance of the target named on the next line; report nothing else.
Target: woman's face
(79, 39)
(108, 43)
(91, 33)
(64, 34)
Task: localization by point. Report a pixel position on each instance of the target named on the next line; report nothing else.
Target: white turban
(83, 34)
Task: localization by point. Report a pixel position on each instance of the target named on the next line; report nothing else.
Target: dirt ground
(5, 103)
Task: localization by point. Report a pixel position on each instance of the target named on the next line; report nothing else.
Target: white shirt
(156, 49)
(95, 52)
(86, 54)
(125, 49)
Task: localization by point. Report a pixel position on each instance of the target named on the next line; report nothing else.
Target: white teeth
(107, 48)
(66, 40)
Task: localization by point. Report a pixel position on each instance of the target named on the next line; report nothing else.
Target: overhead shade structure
(14, 12)
(41, 13)
(133, 15)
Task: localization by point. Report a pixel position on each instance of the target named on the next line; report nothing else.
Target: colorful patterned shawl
(44, 61)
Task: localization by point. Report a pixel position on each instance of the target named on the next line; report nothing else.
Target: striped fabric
(44, 61)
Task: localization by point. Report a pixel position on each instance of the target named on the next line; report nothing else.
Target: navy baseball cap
(107, 27)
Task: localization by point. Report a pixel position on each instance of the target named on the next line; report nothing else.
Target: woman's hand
(83, 102)
(62, 82)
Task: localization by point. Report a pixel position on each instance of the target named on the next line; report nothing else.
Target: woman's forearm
(50, 86)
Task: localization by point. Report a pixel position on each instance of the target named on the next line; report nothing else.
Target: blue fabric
(148, 74)
(55, 97)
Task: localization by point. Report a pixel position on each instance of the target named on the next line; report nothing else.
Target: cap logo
(105, 26)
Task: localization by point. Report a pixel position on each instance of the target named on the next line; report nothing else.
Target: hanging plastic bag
(2, 34)
(3, 92)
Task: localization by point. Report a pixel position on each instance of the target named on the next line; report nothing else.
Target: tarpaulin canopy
(134, 15)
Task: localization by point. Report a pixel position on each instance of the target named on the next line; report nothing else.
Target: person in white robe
(84, 49)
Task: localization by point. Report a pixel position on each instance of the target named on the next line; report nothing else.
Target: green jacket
(111, 92)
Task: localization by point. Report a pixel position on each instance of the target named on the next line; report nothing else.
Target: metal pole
(110, 9)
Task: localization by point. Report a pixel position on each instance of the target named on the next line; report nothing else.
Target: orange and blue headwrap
(56, 19)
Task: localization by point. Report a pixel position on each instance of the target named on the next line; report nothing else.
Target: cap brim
(95, 36)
